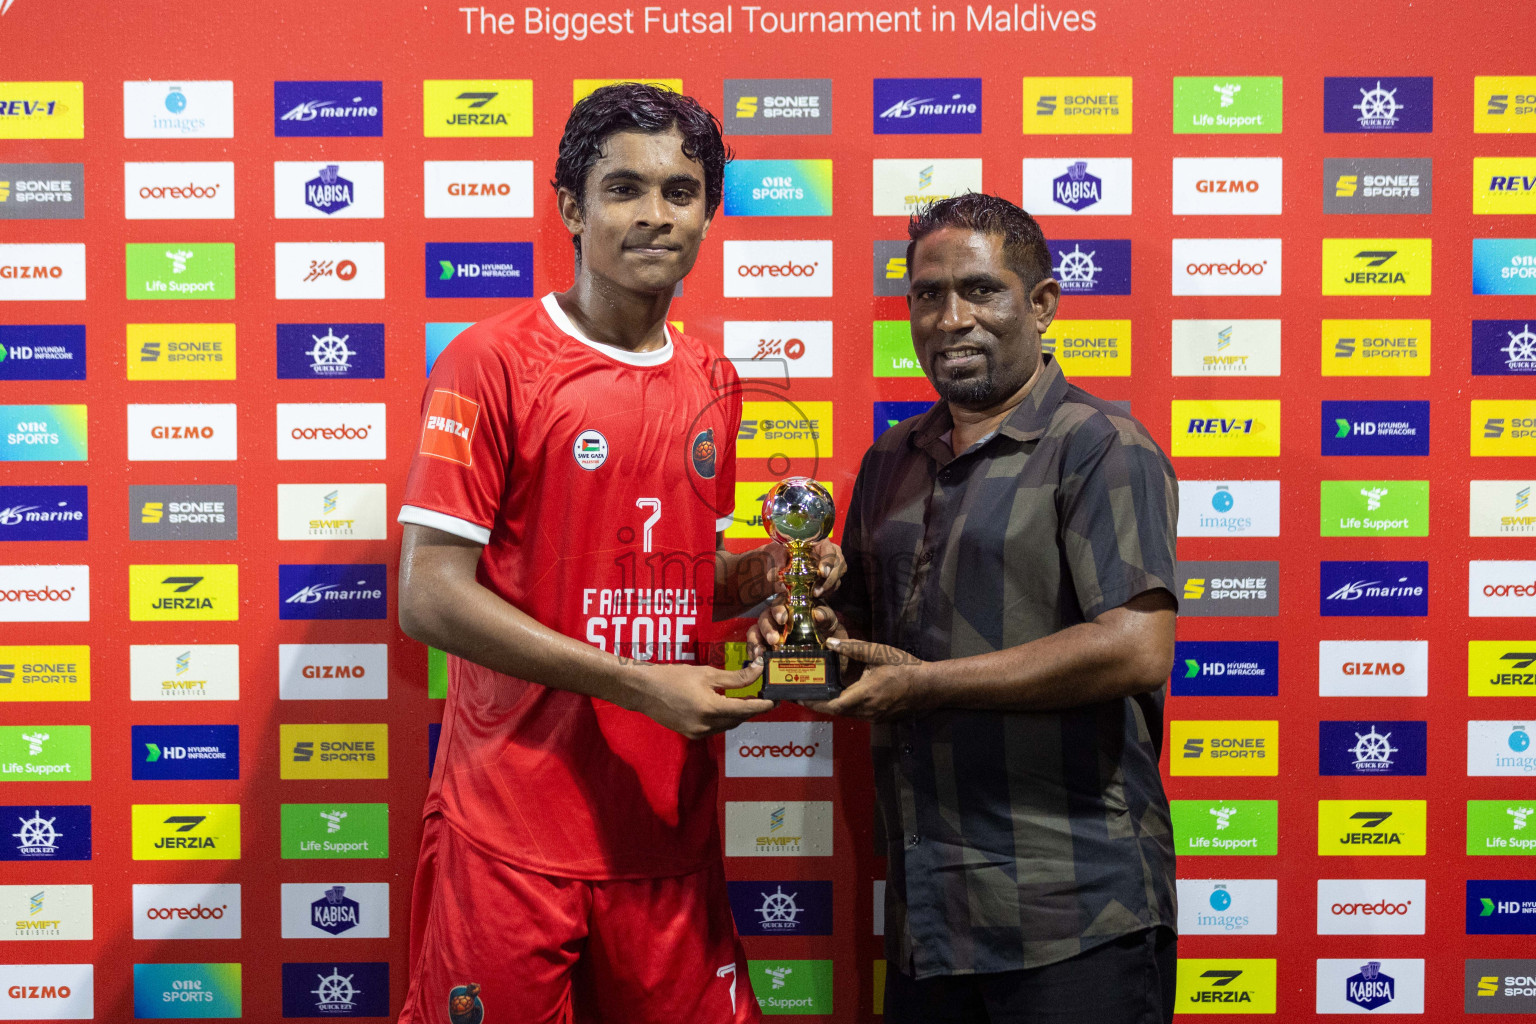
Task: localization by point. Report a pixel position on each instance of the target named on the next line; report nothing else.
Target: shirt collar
(1028, 421)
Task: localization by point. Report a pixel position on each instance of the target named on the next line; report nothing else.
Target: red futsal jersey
(596, 479)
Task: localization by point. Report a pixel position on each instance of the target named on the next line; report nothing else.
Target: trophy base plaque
(800, 675)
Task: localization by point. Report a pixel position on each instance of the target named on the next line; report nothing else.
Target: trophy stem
(799, 577)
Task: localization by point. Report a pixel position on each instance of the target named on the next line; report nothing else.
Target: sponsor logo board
(798, 907)
(1373, 668)
(162, 752)
(1500, 668)
(331, 512)
(45, 913)
(1225, 668)
(183, 593)
(1226, 266)
(1077, 105)
(1503, 427)
(1225, 747)
(791, 986)
(1501, 828)
(1092, 266)
(315, 110)
(330, 431)
(45, 672)
(1226, 428)
(1501, 348)
(1226, 348)
(190, 673)
(42, 272)
(778, 269)
(335, 831)
(779, 348)
(314, 190)
(1374, 508)
(890, 268)
(1229, 906)
(1375, 105)
(1229, 508)
(47, 992)
(1370, 906)
(1090, 348)
(778, 188)
(178, 110)
(182, 433)
(186, 990)
(1227, 186)
(785, 428)
(1504, 103)
(185, 512)
(335, 591)
(1503, 185)
(1371, 828)
(1500, 748)
(1375, 428)
(334, 751)
(42, 191)
(479, 270)
(477, 108)
(1378, 186)
(1093, 186)
(333, 671)
(1375, 348)
(1499, 986)
(1204, 828)
(198, 911)
(43, 513)
(330, 351)
(778, 828)
(477, 188)
(42, 110)
(1377, 266)
(179, 190)
(927, 106)
(45, 832)
(1371, 748)
(1501, 588)
(45, 593)
(902, 187)
(1503, 266)
(1227, 105)
(1373, 588)
(180, 270)
(186, 831)
(335, 989)
(181, 351)
(1358, 985)
(779, 749)
(42, 352)
(1228, 588)
(1225, 986)
(1501, 907)
(329, 910)
(329, 270)
(778, 106)
(52, 753)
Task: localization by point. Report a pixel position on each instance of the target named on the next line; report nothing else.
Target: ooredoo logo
(330, 431)
(1226, 266)
(779, 749)
(179, 191)
(786, 269)
(45, 593)
(1501, 588)
(1367, 906)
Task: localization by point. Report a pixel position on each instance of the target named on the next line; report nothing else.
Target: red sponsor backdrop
(404, 43)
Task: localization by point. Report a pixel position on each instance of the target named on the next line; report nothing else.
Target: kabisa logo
(327, 910)
(927, 106)
(198, 593)
(332, 989)
(1370, 988)
(307, 189)
(479, 269)
(42, 352)
(45, 833)
(1371, 748)
(1377, 266)
(477, 108)
(799, 907)
(42, 191)
(1373, 105)
(331, 591)
(464, 1005)
(1501, 907)
(186, 832)
(42, 110)
(1504, 103)
(1358, 828)
(327, 109)
(1225, 668)
(43, 513)
(1376, 348)
(330, 351)
(328, 191)
(1226, 986)
(778, 188)
(1225, 747)
(1219, 827)
(1503, 348)
(778, 106)
(1503, 266)
(1077, 106)
(1373, 588)
(1207, 105)
(1375, 428)
(186, 752)
(1077, 189)
(1103, 269)
(335, 912)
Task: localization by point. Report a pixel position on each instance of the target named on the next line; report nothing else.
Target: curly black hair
(645, 108)
(1023, 242)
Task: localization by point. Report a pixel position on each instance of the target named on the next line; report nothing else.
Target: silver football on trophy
(799, 509)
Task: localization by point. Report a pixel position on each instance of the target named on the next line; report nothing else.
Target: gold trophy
(798, 512)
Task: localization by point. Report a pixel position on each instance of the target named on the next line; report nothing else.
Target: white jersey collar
(655, 357)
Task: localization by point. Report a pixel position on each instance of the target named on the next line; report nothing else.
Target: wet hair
(650, 110)
(1023, 243)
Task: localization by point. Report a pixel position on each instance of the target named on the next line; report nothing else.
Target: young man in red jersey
(563, 516)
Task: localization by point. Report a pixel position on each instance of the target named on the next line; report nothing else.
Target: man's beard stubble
(978, 392)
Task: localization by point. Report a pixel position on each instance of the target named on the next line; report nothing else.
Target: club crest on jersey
(450, 427)
(464, 1006)
(590, 449)
(702, 451)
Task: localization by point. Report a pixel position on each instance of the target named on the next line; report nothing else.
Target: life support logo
(449, 430)
(702, 453)
(590, 449)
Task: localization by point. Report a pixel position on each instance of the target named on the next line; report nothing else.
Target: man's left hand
(891, 685)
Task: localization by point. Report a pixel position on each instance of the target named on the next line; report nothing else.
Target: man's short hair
(650, 110)
(1023, 242)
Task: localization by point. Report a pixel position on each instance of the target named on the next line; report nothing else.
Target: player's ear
(705, 232)
(570, 211)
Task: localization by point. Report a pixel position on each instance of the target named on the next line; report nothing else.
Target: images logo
(1371, 748)
(333, 989)
(1356, 828)
(1370, 906)
(43, 513)
(1227, 106)
(477, 188)
(329, 270)
(1084, 348)
(1499, 748)
(333, 671)
(927, 106)
(1226, 428)
(1226, 986)
(186, 831)
(778, 188)
(35, 272)
(208, 911)
(778, 106)
(157, 110)
(183, 593)
(477, 108)
(1225, 668)
(792, 828)
(1373, 588)
(42, 191)
(1504, 103)
(779, 349)
(1227, 185)
(45, 833)
(1245, 906)
(186, 990)
(1086, 185)
(1220, 827)
(479, 269)
(42, 110)
(334, 751)
(1226, 266)
(307, 189)
(901, 187)
(1225, 747)
(314, 110)
(1372, 105)
(1374, 508)
(163, 752)
(1375, 428)
(1377, 186)
(42, 352)
(1077, 106)
(797, 907)
(1230, 508)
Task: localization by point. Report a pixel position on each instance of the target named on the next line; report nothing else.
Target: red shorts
(493, 942)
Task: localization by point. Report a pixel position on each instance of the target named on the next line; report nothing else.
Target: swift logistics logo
(189, 512)
(1227, 105)
(778, 188)
(1501, 907)
(1503, 427)
(180, 270)
(39, 272)
(1086, 348)
(1375, 105)
(1370, 906)
(1227, 186)
(186, 990)
(1503, 348)
(1503, 184)
(1077, 105)
(1503, 103)
(927, 106)
(319, 110)
(333, 671)
(45, 593)
(333, 751)
(336, 989)
(1371, 748)
(335, 831)
(331, 512)
(479, 270)
(1499, 986)
(1373, 508)
(1501, 588)
(1204, 828)
(309, 189)
(1225, 668)
(166, 752)
(1226, 428)
(778, 106)
(1226, 266)
(45, 832)
(186, 831)
(1100, 266)
(902, 187)
(330, 351)
(1501, 828)
(1229, 508)
(769, 828)
(1378, 186)
(1226, 985)
(179, 191)
(1371, 828)
(334, 591)
(51, 913)
(1226, 348)
(42, 191)
(179, 110)
(43, 513)
(182, 433)
(1246, 906)
(42, 110)
(187, 912)
(1224, 747)
(350, 910)
(42, 352)
(1499, 748)
(1373, 588)
(1501, 668)
(184, 672)
(181, 351)
(477, 108)
(1092, 186)
(798, 907)
(1377, 266)
(1373, 668)
(183, 593)
(51, 753)
(1504, 266)
(1228, 588)
(1375, 348)
(477, 188)
(39, 672)
(1375, 428)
